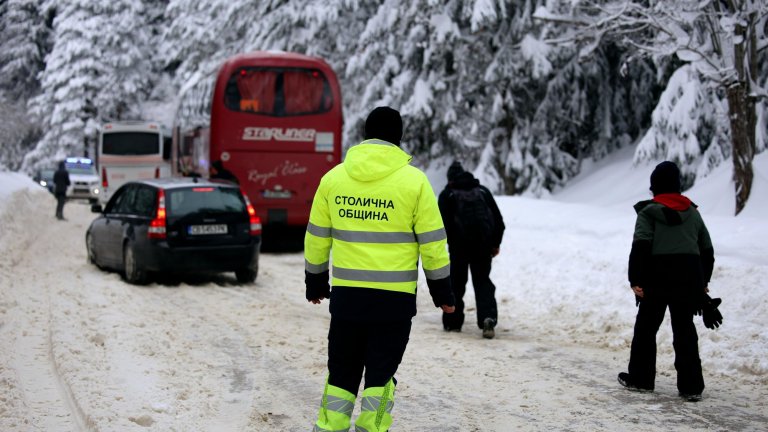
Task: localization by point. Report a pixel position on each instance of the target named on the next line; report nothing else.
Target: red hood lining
(674, 201)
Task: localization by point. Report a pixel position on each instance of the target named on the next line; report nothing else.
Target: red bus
(274, 120)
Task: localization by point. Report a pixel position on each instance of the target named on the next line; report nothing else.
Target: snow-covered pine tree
(24, 41)
(686, 127)
(98, 69)
(723, 40)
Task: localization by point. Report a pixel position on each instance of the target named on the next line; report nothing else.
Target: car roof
(182, 182)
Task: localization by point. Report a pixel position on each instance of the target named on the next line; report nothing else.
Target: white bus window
(130, 143)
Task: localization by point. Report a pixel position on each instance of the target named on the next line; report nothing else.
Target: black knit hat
(385, 124)
(665, 178)
(454, 170)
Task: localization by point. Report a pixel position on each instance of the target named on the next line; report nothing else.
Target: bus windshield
(278, 92)
(130, 143)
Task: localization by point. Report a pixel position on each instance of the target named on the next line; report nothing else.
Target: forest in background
(522, 91)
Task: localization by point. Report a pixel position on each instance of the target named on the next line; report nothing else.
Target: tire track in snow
(30, 238)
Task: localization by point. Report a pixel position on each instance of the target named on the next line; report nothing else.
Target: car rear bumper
(160, 257)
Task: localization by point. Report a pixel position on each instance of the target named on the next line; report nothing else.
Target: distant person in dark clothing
(670, 265)
(474, 227)
(61, 183)
(219, 172)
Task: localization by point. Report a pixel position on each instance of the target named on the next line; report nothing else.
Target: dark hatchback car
(176, 225)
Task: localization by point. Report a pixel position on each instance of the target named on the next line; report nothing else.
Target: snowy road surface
(81, 350)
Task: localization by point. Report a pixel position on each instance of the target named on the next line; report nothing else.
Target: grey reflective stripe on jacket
(316, 268)
(376, 236)
(440, 273)
(375, 275)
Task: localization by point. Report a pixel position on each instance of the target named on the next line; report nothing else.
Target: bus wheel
(133, 273)
(245, 275)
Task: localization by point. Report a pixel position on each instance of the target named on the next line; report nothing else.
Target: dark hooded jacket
(61, 180)
(672, 255)
(446, 202)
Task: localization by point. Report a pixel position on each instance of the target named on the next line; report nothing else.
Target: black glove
(317, 285)
(709, 313)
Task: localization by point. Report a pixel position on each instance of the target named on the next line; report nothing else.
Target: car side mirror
(96, 208)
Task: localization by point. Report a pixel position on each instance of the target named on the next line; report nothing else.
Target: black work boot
(488, 325)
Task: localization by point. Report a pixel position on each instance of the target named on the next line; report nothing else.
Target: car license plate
(284, 194)
(207, 229)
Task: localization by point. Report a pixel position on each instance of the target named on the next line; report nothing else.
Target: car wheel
(245, 275)
(133, 272)
(89, 247)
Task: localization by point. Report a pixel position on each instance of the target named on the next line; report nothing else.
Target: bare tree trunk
(743, 115)
(743, 141)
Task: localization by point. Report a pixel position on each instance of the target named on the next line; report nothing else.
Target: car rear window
(204, 199)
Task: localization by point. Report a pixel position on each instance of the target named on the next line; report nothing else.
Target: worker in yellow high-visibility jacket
(377, 215)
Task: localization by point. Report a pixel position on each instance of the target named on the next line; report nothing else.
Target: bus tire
(245, 275)
(133, 273)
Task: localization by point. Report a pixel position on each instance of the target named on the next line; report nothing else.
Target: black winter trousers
(485, 291)
(642, 361)
(374, 347)
(60, 200)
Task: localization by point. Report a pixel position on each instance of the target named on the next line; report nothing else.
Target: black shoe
(626, 381)
(691, 397)
(452, 329)
(488, 325)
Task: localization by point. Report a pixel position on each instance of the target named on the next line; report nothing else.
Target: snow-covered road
(81, 350)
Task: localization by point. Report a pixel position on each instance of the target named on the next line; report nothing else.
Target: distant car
(176, 225)
(83, 178)
(44, 178)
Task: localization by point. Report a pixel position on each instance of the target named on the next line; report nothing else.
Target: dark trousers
(480, 266)
(60, 200)
(374, 347)
(642, 360)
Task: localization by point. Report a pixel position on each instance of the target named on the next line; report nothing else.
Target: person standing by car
(378, 215)
(475, 228)
(61, 183)
(218, 171)
(670, 265)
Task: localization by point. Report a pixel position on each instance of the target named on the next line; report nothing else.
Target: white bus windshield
(130, 143)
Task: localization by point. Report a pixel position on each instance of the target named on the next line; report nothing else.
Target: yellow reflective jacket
(377, 215)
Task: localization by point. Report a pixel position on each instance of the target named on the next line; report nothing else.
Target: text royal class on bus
(274, 120)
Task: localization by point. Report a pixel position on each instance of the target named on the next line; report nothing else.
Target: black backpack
(472, 219)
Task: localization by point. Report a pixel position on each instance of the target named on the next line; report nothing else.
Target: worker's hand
(638, 291)
(448, 309)
(315, 301)
(494, 252)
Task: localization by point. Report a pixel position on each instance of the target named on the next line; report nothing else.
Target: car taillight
(104, 181)
(254, 219)
(157, 225)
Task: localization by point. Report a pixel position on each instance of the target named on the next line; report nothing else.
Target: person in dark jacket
(219, 172)
(471, 249)
(670, 266)
(61, 183)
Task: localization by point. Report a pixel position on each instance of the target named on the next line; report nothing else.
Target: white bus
(131, 150)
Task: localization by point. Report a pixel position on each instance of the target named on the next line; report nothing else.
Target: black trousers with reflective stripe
(373, 348)
(642, 360)
(485, 291)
